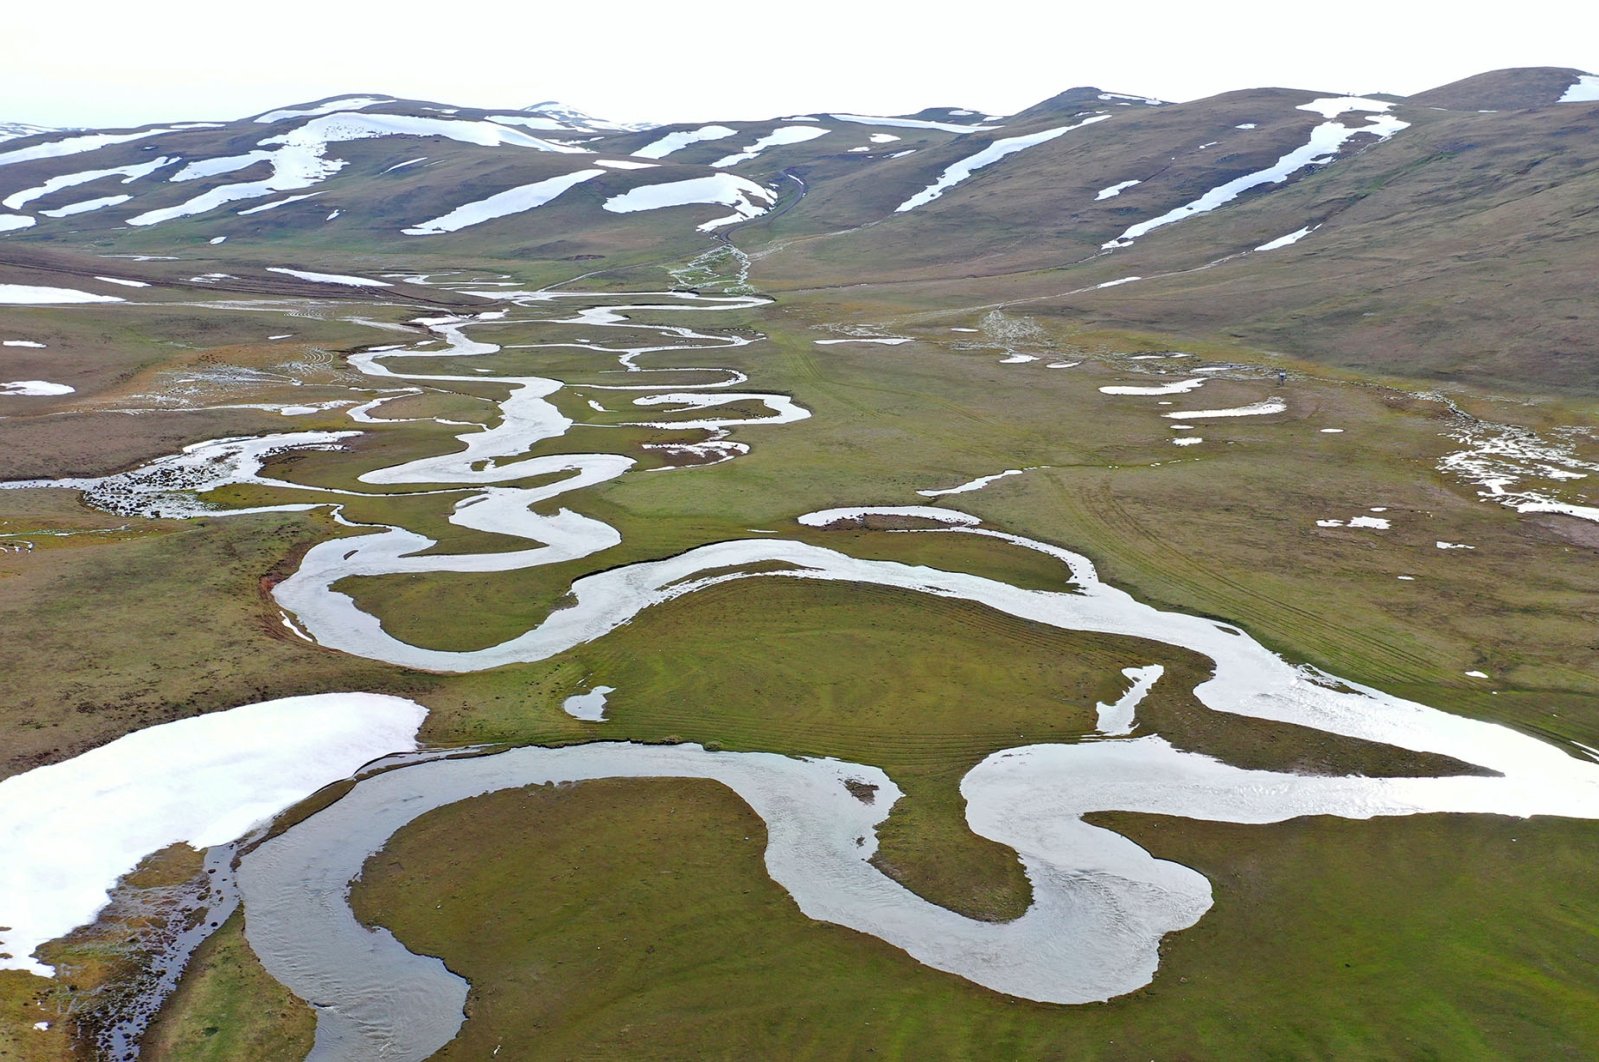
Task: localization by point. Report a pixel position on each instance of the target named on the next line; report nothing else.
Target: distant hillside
(1420, 235)
(1503, 90)
(13, 130)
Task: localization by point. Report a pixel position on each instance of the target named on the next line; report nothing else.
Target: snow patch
(672, 142)
(1499, 460)
(1585, 90)
(1115, 190)
(1325, 142)
(28, 295)
(274, 204)
(70, 830)
(77, 145)
(949, 517)
(725, 189)
(1255, 409)
(1333, 106)
(34, 388)
(1175, 387)
(1291, 238)
(1118, 719)
(329, 278)
(779, 137)
(298, 158)
(1376, 522)
(502, 204)
(959, 171)
(129, 174)
(976, 484)
(588, 706)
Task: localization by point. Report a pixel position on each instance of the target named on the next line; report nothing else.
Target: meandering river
(1101, 904)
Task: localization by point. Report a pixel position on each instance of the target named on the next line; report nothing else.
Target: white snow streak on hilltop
(726, 189)
(71, 829)
(678, 141)
(959, 171)
(299, 157)
(345, 103)
(786, 134)
(27, 295)
(215, 167)
(338, 128)
(510, 201)
(1586, 90)
(17, 200)
(293, 168)
(274, 204)
(1325, 141)
(76, 145)
(1332, 106)
(9, 222)
(913, 123)
(330, 278)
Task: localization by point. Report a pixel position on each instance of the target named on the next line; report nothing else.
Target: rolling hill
(1401, 235)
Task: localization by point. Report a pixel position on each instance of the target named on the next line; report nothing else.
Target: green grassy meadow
(634, 919)
(620, 908)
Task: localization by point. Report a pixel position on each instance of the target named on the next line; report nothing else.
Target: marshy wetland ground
(825, 588)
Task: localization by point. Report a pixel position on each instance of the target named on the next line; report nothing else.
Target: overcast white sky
(95, 63)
